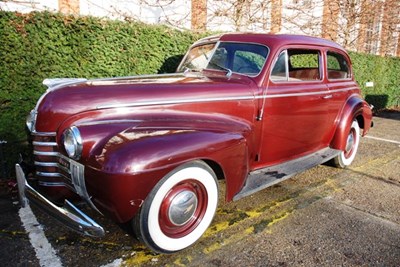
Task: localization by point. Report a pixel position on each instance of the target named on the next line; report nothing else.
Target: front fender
(355, 108)
(132, 162)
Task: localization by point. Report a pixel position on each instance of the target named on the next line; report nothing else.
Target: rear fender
(354, 109)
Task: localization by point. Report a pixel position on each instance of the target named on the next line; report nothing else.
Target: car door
(339, 79)
(296, 121)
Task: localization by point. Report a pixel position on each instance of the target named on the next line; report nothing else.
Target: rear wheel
(179, 209)
(346, 157)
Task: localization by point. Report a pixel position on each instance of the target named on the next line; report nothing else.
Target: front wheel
(346, 157)
(179, 208)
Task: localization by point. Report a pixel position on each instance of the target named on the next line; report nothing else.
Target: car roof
(273, 40)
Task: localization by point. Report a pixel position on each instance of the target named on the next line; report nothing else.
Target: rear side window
(338, 66)
(297, 65)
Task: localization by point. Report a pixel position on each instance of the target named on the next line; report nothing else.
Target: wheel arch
(216, 167)
(354, 109)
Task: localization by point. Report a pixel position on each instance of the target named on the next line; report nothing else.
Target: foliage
(36, 46)
(43, 45)
(384, 73)
(304, 60)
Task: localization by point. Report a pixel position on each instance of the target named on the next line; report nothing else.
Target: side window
(304, 65)
(338, 66)
(297, 65)
(279, 72)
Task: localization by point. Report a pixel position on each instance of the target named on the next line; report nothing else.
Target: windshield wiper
(228, 71)
(187, 70)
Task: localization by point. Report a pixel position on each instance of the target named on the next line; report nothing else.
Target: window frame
(345, 56)
(321, 67)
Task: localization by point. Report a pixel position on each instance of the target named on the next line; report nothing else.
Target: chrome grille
(47, 160)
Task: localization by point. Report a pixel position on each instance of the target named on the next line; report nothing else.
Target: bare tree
(371, 26)
(243, 15)
(363, 25)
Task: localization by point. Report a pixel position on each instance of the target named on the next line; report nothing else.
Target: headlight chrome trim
(72, 141)
(31, 120)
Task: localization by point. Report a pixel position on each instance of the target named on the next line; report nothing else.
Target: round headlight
(73, 142)
(31, 120)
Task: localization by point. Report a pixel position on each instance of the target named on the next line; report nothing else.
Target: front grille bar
(44, 134)
(49, 174)
(50, 165)
(46, 164)
(41, 153)
(47, 159)
(36, 143)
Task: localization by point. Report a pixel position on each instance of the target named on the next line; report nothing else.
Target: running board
(263, 178)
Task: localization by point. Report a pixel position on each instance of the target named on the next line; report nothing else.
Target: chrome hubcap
(182, 207)
(350, 142)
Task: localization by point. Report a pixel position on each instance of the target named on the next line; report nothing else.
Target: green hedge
(384, 72)
(46, 45)
(43, 45)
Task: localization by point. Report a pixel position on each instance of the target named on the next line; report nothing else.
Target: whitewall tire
(346, 157)
(179, 208)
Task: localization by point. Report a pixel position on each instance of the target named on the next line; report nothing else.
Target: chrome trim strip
(65, 170)
(171, 102)
(106, 122)
(56, 174)
(307, 93)
(69, 215)
(49, 134)
(46, 164)
(215, 99)
(55, 83)
(40, 153)
(77, 143)
(35, 143)
(31, 120)
(139, 77)
(49, 174)
(50, 184)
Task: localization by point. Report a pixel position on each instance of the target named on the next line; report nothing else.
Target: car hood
(76, 96)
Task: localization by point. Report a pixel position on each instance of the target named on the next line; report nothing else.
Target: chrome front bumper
(69, 215)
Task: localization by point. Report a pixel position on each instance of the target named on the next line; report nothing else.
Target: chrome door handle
(327, 97)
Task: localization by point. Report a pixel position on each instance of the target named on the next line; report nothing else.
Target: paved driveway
(323, 217)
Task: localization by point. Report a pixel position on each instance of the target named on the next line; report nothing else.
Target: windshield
(244, 58)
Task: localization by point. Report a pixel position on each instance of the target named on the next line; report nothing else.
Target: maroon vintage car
(252, 109)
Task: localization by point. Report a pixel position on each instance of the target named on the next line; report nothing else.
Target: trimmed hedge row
(43, 45)
(384, 72)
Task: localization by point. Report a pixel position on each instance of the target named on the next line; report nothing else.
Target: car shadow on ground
(392, 113)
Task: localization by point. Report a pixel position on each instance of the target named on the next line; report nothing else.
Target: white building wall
(298, 16)
(302, 16)
(29, 6)
(225, 15)
(174, 13)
